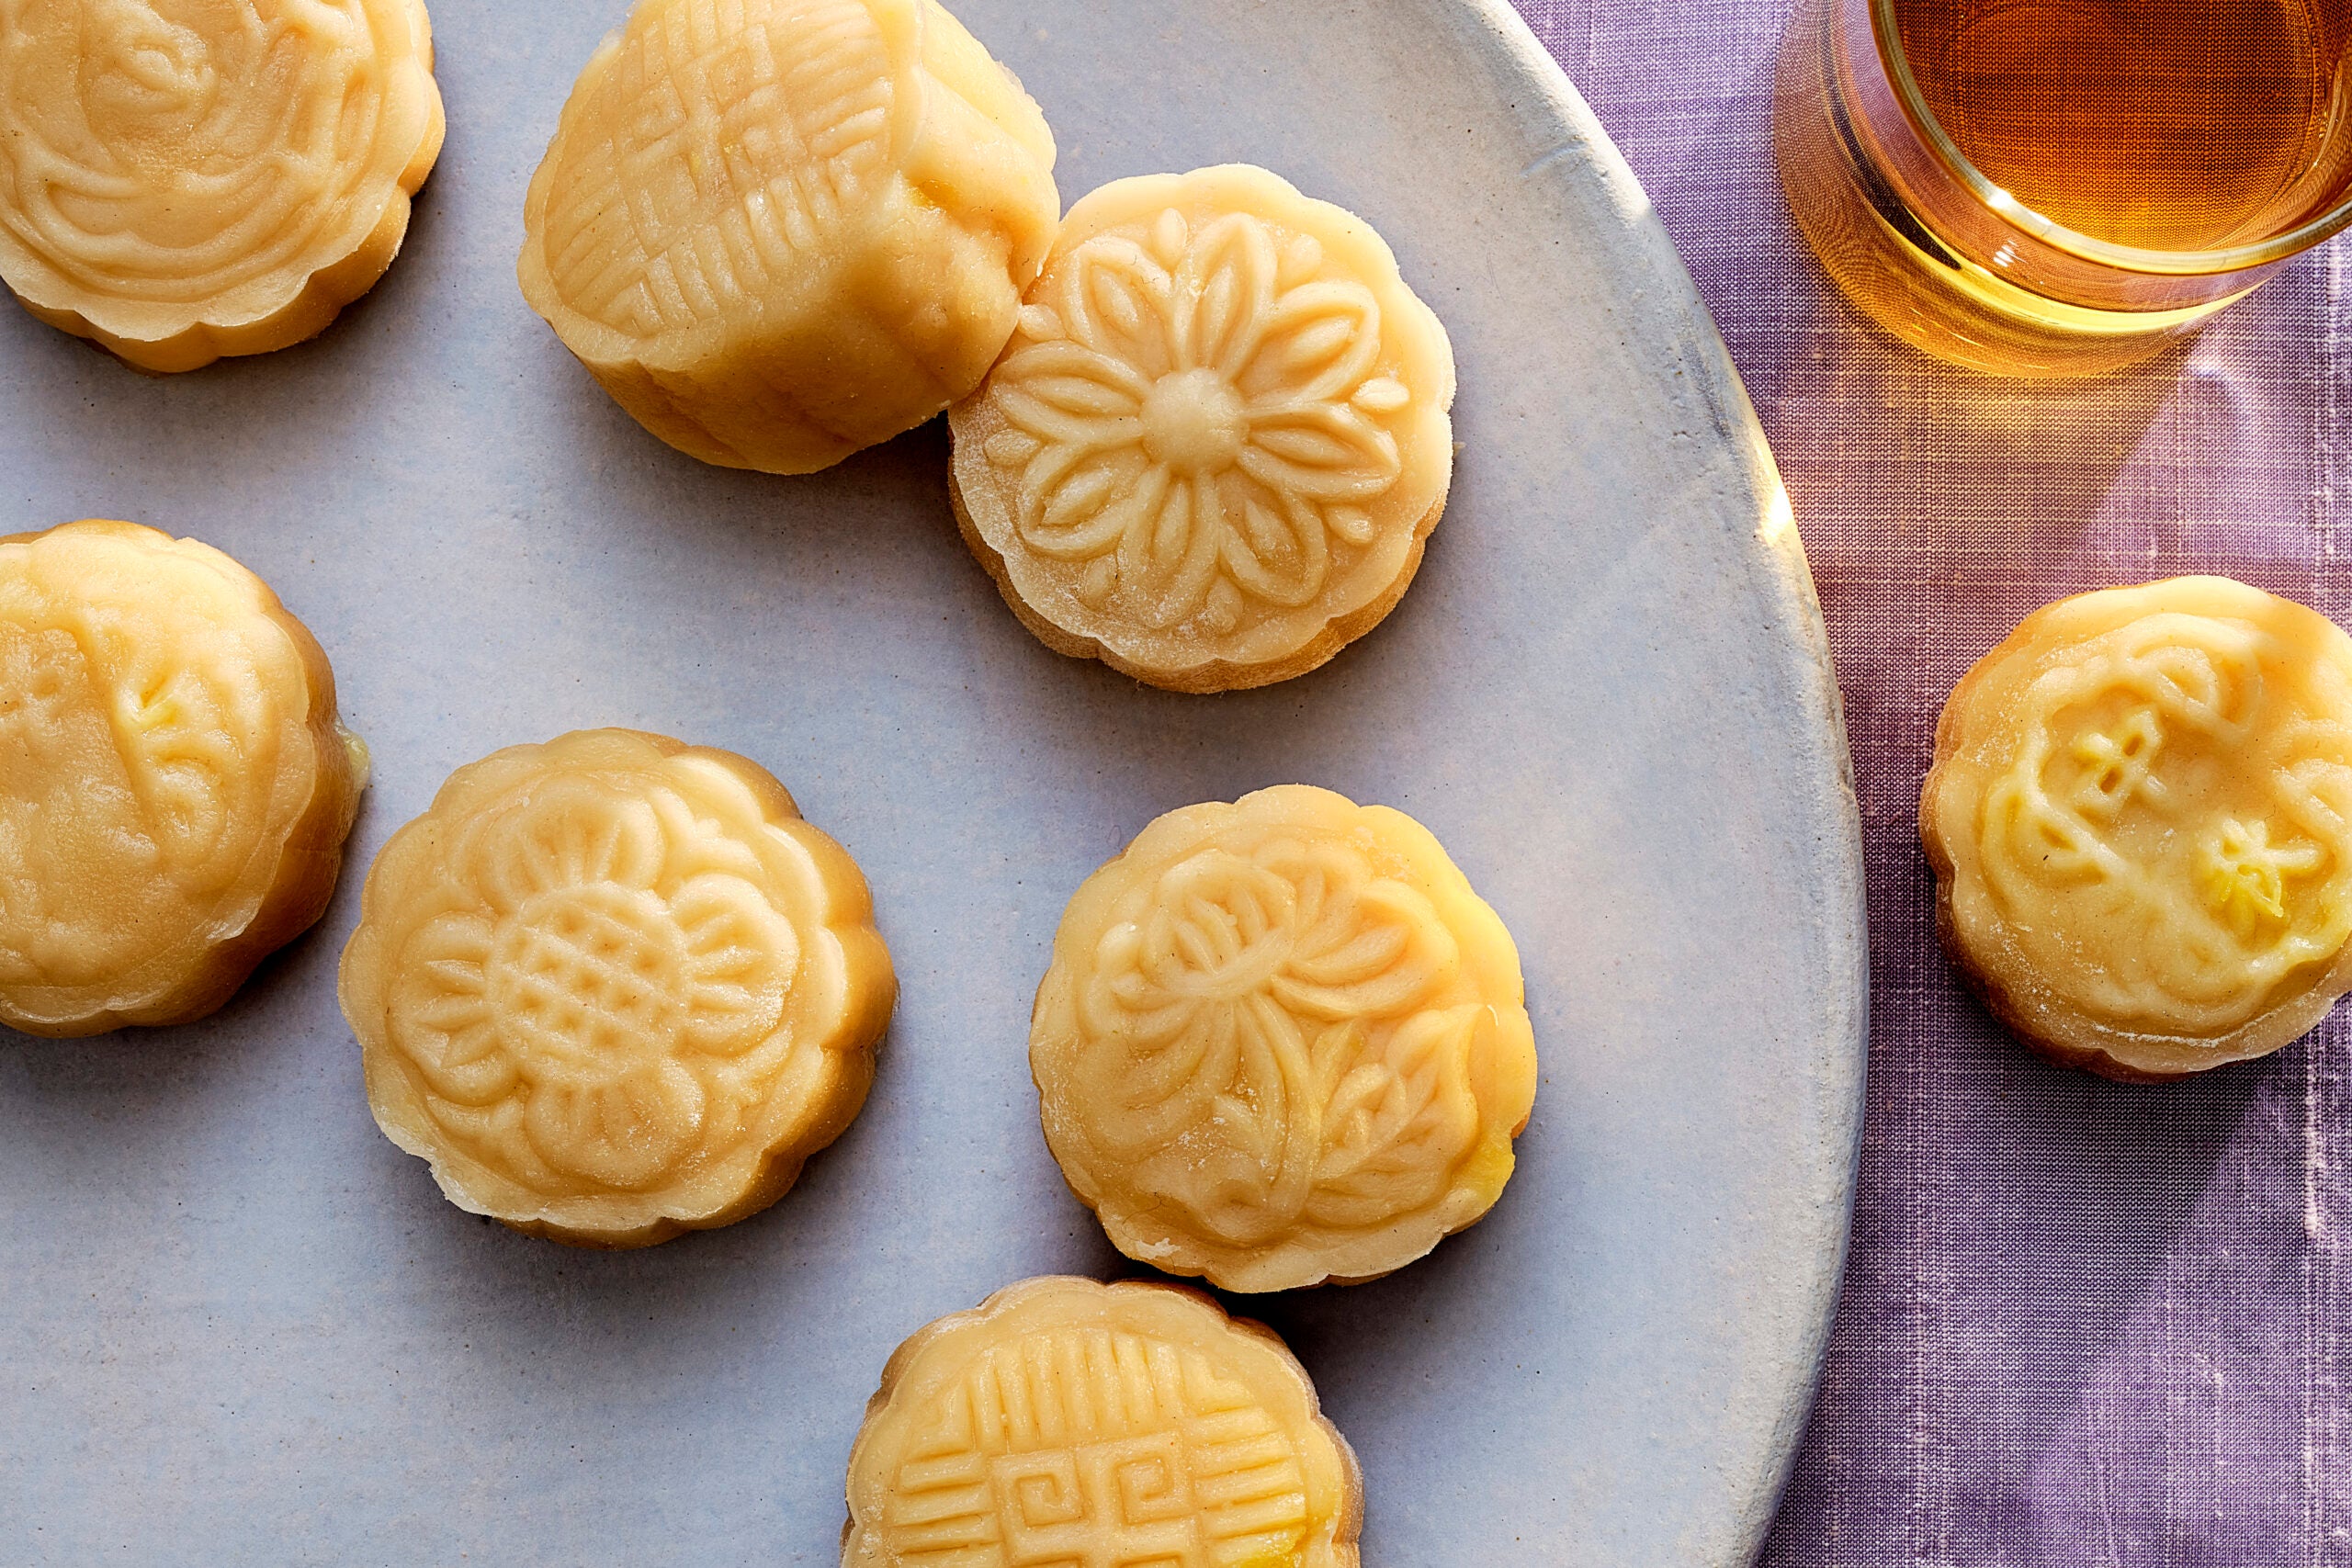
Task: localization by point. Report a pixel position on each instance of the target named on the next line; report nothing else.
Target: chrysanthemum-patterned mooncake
(184, 179)
(778, 230)
(174, 787)
(1126, 1426)
(2140, 819)
(1282, 1041)
(1218, 441)
(613, 988)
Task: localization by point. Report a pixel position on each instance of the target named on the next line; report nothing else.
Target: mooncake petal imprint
(1211, 443)
(650, 990)
(1275, 1046)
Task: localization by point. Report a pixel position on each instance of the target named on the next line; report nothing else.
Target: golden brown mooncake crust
(780, 230)
(2140, 819)
(182, 180)
(1283, 1041)
(1216, 449)
(176, 786)
(1067, 1421)
(613, 988)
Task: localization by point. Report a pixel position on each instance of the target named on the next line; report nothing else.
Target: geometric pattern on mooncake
(175, 786)
(1071, 1423)
(184, 179)
(768, 134)
(1283, 1041)
(2142, 820)
(613, 988)
(1109, 1451)
(1215, 448)
(777, 231)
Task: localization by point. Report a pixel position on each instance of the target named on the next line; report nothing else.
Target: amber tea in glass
(2061, 186)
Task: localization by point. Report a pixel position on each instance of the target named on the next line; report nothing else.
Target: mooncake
(1282, 1041)
(184, 179)
(175, 785)
(1078, 1424)
(2140, 819)
(778, 230)
(613, 988)
(1219, 438)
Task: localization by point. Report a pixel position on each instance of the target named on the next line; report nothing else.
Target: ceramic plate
(239, 1327)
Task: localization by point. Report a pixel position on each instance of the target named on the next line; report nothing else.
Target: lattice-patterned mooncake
(1282, 1041)
(184, 179)
(174, 787)
(1218, 441)
(778, 230)
(2140, 819)
(613, 988)
(1067, 1421)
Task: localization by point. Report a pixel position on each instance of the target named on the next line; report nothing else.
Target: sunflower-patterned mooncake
(613, 988)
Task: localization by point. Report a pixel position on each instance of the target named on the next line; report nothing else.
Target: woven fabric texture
(2082, 1323)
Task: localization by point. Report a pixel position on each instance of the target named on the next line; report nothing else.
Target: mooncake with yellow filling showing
(613, 988)
(175, 785)
(779, 231)
(1282, 1041)
(2140, 819)
(1220, 439)
(185, 179)
(1069, 1422)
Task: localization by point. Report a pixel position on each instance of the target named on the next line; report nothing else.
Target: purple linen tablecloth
(2083, 1324)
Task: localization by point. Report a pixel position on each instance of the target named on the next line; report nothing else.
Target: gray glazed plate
(239, 1327)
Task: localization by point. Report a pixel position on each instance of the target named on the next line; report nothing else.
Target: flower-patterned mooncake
(778, 230)
(1069, 1422)
(613, 988)
(1282, 1041)
(1220, 439)
(175, 786)
(2140, 819)
(184, 179)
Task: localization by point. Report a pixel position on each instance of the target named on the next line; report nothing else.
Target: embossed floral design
(1262, 1046)
(1196, 419)
(603, 993)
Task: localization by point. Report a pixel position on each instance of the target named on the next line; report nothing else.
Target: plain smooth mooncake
(779, 231)
(1069, 1423)
(613, 988)
(185, 179)
(1282, 1041)
(2140, 819)
(175, 785)
(1215, 446)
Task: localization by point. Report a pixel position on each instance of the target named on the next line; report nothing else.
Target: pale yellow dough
(185, 179)
(613, 988)
(1282, 1041)
(2140, 819)
(1218, 441)
(174, 787)
(779, 231)
(1069, 1423)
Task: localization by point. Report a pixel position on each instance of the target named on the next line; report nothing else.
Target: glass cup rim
(2048, 231)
